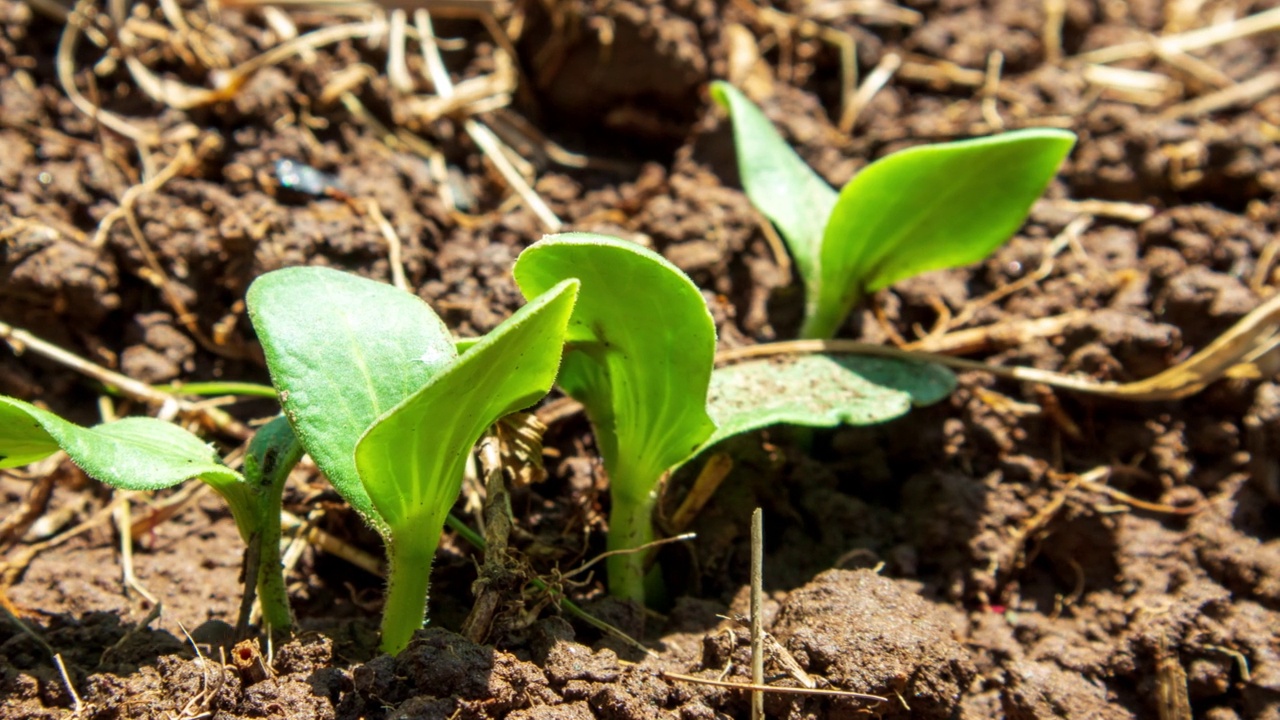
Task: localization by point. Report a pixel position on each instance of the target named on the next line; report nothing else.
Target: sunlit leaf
(343, 350)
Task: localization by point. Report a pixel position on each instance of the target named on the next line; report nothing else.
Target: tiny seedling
(924, 208)
(143, 453)
(641, 344)
(378, 394)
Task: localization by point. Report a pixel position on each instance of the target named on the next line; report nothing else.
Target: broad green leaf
(928, 208)
(641, 348)
(781, 186)
(342, 351)
(820, 391)
(131, 454)
(412, 458)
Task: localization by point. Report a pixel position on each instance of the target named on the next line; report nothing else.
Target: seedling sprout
(924, 208)
(379, 396)
(640, 349)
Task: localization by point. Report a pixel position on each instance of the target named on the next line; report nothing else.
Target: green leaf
(342, 351)
(928, 208)
(407, 458)
(640, 353)
(131, 454)
(794, 197)
(641, 349)
(820, 391)
(412, 459)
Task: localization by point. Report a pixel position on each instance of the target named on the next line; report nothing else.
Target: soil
(949, 561)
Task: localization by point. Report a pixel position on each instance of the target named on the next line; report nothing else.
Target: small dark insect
(307, 180)
(268, 465)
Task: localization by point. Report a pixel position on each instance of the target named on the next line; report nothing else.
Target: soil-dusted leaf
(820, 391)
(411, 460)
(928, 208)
(343, 350)
(131, 454)
(640, 353)
(794, 197)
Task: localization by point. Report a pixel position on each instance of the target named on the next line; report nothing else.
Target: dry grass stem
(1245, 93)
(1237, 353)
(939, 74)
(1109, 209)
(991, 88)
(1125, 498)
(64, 64)
(1072, 231)
(181, 161)
(645, 548)
(1140, 87)
(1265, 21)
(1055, 12)
(442, 8)
(18, 520)
(875, 80)
(16, 563)
(394, 252)
(333, 545)
(122, 517)
(160, 513)
(994, 337)
(77, 705)
(757, 613)
(20, 340)
(772, 688)
(483, 137)
(713, 473)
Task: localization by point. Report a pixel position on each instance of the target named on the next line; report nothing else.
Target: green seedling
(148, 454)
(924, 208)
(641, 344)
(378, 395)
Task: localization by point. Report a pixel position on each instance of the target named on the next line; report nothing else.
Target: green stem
(822, 319)
(409, 572)
(630, 527)
(273, 596)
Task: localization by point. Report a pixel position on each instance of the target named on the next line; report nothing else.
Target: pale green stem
(409, 574)
(630, 527)
(822, 320)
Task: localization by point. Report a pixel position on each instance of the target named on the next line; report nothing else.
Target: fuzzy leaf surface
(132, 454)
(342, 351)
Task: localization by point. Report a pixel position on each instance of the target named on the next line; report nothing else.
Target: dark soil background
(952, 560)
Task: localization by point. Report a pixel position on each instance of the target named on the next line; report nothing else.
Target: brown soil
(999, 589)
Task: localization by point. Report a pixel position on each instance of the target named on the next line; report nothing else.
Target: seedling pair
(925, 208)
